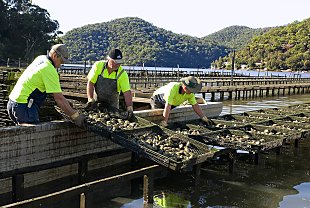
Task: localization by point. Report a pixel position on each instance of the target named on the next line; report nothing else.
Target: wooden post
(197, 171)
(82, 201)
(148, 189)
(232, 161)
(296, 143)
(212, 96)
(17, 188)
(82, 171)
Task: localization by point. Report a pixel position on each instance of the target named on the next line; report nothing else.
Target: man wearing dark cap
(106, 80)
(31, 89)
(176, 93)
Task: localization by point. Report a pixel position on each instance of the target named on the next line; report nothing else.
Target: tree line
(26, 30)
(280, 48)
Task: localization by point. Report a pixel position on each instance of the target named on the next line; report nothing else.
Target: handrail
(75, 190)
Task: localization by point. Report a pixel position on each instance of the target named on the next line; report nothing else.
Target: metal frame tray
(250, 142)
(130, 138)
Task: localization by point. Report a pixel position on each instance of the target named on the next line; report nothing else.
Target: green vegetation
(281, 48)
(141, 42)
(235, 37)
(26, 30)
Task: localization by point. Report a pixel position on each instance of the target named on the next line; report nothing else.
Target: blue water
(302, 197)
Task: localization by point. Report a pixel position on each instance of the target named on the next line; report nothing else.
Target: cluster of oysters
(266, 132)
(245, 140)
(187, 131)
(109, 120)
(170, 146)
(287, 127)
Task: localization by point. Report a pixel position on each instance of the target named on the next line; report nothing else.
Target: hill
(281, 48)
(235, 36)
(140, 42)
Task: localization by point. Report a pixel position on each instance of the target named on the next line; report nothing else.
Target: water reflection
(239, 106)
(302, 199)
(171, 200)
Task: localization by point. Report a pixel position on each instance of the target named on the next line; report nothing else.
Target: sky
(195, 18)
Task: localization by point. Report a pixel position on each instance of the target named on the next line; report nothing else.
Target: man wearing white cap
(176, 93)
(31, 89)
(106, 80)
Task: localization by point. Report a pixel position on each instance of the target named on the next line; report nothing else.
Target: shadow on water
(278, 181)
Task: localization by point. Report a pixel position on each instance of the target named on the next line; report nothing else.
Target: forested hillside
(281, 48)
(26, 30)
(235, 37)
(141, 42)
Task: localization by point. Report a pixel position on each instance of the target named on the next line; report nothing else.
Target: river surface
(278, 181)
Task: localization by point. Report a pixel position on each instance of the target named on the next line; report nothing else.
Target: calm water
(279, 181)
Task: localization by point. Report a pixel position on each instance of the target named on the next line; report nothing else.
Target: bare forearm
(166, 112)
(90, 90)
(63, 104)
(198, 110)
(128, 98)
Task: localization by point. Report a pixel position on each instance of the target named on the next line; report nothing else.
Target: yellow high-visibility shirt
(41, 75)
(172, 95)
(122, 82)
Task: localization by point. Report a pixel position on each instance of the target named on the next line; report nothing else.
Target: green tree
(27, 30)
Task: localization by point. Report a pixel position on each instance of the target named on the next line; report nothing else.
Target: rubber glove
(207, 121)
(90, 105)
(163, 124)
(78, 119)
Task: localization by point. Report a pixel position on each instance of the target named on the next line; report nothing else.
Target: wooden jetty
(239, 88)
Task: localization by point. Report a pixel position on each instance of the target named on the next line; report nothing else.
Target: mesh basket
(237, 139)
(286, 135)
(288, 126)
(134, 140)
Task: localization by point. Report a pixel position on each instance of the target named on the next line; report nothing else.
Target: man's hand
(207, 121)
(70, 103)
(90, 105)
(163, 124)
(130, 112)
(78, 119)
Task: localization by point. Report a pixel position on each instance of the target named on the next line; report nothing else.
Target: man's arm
(128, 98)
(198, 110)
(166, 112)
(63, 104)
(90, 90)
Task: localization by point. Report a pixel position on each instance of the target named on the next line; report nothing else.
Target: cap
(116, 55)
(192, 83)
(62, 51)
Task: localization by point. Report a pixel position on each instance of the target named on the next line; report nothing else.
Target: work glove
(207, 121)
(78, 119)
(90, 105)
(70, 103)
(128, 115)
(163, 124)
